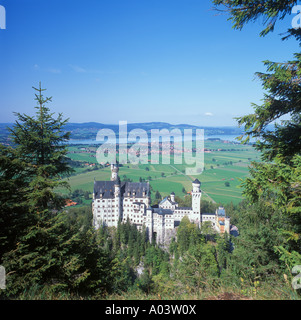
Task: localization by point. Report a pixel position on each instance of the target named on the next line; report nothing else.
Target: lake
(221, 137)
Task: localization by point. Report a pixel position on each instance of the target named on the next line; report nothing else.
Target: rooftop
(127, 189)
(221, 211)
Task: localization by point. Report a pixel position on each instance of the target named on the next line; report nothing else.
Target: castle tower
(160, 228)
(227, 225)
(172, 197)
(149, 223)
(114, 171)
(117, 197)
(196, 193)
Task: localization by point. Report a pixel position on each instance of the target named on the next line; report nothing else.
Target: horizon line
(155, 122)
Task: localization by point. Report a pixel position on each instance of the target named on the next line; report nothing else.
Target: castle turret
(149, 223)
(196, 201)
(117, 187)
(94, 191)
(114, 171)
(117, 197)
(196, 185)
(172, 197)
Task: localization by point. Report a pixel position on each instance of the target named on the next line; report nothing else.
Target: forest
(52, 252)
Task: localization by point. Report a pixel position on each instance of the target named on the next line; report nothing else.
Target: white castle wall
(162, 220)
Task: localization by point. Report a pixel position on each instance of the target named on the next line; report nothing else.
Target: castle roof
(196, 181)
(221, 211)
(183, 208)
(136, 187)
(106, 188)
(127, 189)
(167, 199)
(162, 211)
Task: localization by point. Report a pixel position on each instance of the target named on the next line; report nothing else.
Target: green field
(225, 164)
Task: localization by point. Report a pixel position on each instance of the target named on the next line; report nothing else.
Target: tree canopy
(274, 184)
(282, 98)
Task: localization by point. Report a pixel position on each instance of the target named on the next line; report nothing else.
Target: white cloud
(53, 70)
(208, 114)
(77, 68)
(36, 67)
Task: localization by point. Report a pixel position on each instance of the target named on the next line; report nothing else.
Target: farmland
(225, 164)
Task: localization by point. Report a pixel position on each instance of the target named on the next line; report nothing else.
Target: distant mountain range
(88, 130)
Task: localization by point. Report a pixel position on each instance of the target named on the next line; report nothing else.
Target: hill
(88, 130)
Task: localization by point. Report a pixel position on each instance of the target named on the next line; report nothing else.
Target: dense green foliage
(281, 83)
(244, 11)
(41, 244)
(273, 188)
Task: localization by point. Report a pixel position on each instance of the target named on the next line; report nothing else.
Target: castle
(115, 201)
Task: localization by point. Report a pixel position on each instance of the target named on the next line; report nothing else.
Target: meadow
(225, 165)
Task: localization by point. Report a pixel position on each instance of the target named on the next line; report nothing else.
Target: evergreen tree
(282, 83)
(59, 257)
(269, 12)
(39, 142)
(275, 183)
(158, 195)
(145, 282)
(48, 250)
(14, 218)
(187, 235)
(198, 267)
(254, 249)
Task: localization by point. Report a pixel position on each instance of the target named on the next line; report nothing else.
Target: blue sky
(174, 61)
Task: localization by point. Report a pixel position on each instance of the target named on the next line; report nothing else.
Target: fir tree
(281, 83)
(39, 142)
(275, 184)
(14, 218)
(48, 250)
